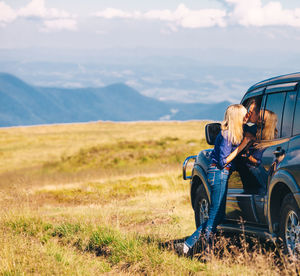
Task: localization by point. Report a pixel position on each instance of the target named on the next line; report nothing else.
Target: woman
(269, 130)
(230, 136)
(249, 129)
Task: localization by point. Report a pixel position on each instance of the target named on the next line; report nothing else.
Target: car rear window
(275, 104)
(287, 120)
(296, 127)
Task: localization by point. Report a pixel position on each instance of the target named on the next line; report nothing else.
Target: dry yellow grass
(65, 213)
(23, 147)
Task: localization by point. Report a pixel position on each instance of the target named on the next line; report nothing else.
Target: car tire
(289, 225)
(201, 206)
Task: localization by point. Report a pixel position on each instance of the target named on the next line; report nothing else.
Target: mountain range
(25, 104)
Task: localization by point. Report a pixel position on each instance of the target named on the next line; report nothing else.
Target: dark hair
(257, 103)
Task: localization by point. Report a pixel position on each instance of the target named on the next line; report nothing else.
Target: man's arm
(252, 159)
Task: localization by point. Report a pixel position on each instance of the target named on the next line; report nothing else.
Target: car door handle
(279, 151)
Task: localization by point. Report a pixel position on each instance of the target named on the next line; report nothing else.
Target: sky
(116, 23)
(256, 34)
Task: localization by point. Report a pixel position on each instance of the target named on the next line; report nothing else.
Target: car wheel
(201, 206)
(289, 230)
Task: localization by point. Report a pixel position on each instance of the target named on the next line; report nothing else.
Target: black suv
(266, 202)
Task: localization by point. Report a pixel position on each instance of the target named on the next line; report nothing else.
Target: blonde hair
(269, 131)
(233, 122)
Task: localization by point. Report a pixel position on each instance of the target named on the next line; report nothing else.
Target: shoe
(181, 249)
(186, 249)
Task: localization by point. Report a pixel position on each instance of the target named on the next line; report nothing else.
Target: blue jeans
(218, 181)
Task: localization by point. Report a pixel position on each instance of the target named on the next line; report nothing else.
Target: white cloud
(200, 18)
(237, 12)
(182, 16)
(37, 9)
(110, 13)
(133, 83)
(242, 12)
(187, 18)
(7, 14)
(53, 19)
(59, 24)
(253, 13)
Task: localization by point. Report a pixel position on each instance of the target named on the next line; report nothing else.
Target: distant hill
(23, 104)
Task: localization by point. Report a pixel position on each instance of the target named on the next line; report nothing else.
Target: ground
(109, 197)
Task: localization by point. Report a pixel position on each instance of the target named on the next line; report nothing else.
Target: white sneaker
(185, 249)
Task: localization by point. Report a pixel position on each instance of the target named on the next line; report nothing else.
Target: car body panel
(200, 167)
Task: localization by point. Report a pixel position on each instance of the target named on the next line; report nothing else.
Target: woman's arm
(225, 148)
(234, 154)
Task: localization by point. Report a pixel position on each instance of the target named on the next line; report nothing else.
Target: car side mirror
(211, 132)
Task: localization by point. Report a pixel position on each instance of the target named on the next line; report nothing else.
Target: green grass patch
(21, 254)
(167, 150)
(130, 253)
(110, 190)
(138, 254)
(29, 226)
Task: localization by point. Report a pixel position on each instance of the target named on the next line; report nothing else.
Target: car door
(240, 203)
(282, 104)
(292, 160)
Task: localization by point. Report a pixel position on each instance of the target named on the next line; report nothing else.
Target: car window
(296, 127)
(273, 116)
(287, 119)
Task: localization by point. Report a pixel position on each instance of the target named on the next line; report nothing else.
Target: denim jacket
(223, 147)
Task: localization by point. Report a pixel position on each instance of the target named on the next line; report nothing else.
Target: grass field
(86, 199)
